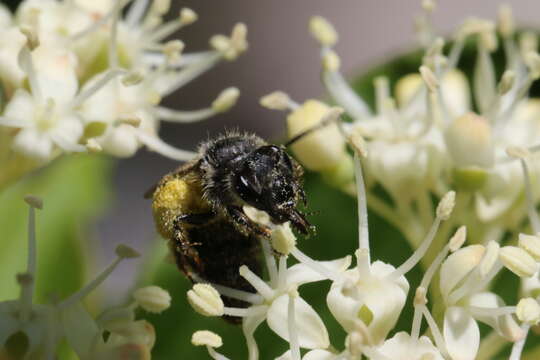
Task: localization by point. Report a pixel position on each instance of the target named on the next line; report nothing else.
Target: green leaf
(74, 189)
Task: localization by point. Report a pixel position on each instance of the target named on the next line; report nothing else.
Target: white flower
(359, 295)
(45, 116)
(61, 63)
(402, 346)
(47, 325)
(464, 276)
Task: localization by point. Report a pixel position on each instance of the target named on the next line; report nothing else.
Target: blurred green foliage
(74, 190)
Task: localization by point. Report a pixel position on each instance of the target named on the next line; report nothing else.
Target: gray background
(282, 55)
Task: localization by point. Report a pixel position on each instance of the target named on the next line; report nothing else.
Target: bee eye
(249, 188)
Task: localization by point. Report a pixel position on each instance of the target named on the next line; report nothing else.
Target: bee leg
(194, 219)
(242, 220)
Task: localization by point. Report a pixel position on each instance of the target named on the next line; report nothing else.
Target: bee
(199, 207)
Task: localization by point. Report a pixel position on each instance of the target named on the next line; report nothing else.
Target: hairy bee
(199, 207)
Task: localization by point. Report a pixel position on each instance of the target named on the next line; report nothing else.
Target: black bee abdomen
(222, 249)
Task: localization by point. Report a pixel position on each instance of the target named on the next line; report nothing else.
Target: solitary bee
(199, 207)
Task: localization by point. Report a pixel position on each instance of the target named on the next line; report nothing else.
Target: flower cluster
(417, 144)
(34, 331)
(425, 136)
(79, 76)
(368, 298)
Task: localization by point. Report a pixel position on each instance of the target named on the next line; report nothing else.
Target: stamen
(26, 63)
(87, 93)
(531, 206)
(517, 348)
(81, 294)
(238, 312)
(346, 97)
(435, 332)
(419, 301)
(278, 100)
(113, 46)
(184, 117)
(495, 312)
(154, 143)
(363, 228)
(27, 280)
(136, 12)
(238, 294)
(215, 355)
(382, 93)
(303, 258)
(262, 288)
(249, 325)
(363, 265)
(191, 72)
(282, 273)
(419, 252)
(270, 261)
(291, 322)
(102, 21)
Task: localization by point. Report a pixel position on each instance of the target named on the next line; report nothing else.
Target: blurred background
(282, 56)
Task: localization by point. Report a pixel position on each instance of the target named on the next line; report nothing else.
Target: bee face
(266, 180)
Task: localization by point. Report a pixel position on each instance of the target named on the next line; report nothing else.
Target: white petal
(55, 70)
(21, 106)
(461, 334)
(81, 330)
(33, 144)
(375, 299)
(312, 333)
(319, 354)
(402, 346)
(458, 265)
(301, 274)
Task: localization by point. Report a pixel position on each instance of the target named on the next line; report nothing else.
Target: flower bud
(206, 338)
(152, 299)
(323, 31)
(469, 141)
(528, 311)
(226, 99)
(324, 148)
(205, 300)
(518, 261)
(530, 244)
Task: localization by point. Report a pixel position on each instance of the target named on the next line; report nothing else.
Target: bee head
(266, 180)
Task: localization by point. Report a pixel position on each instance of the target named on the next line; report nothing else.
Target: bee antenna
(331, 117)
